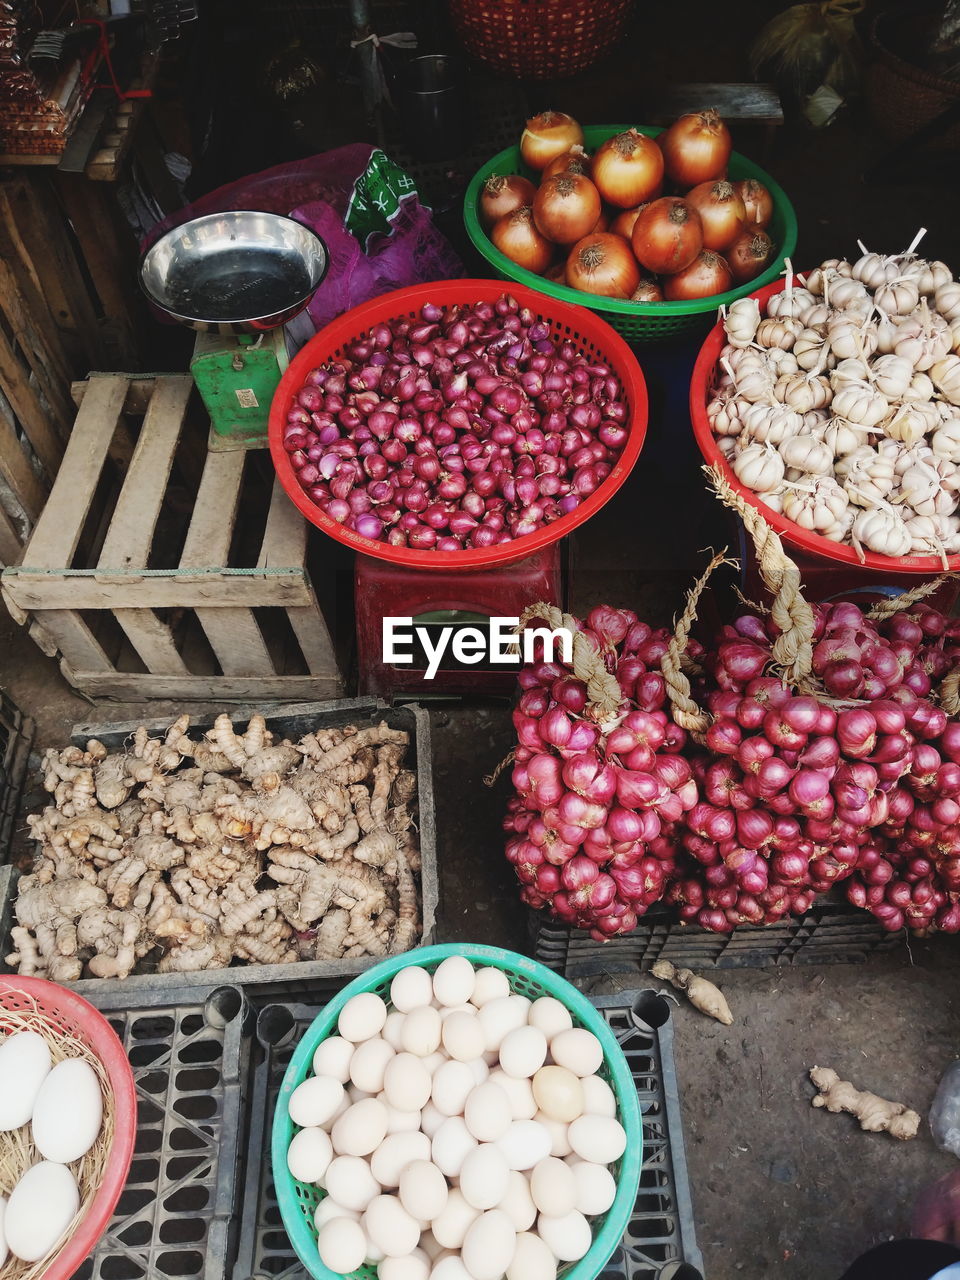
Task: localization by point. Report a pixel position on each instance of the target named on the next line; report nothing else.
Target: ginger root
(701, 993)
(876, 1115)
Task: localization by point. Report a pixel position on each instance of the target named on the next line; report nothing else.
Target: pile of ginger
(230, 847)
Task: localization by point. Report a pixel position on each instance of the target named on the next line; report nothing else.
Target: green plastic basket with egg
(298, 1200)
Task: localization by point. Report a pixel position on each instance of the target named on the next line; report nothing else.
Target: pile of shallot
(839, 406)
(468, 427)
(791, 791)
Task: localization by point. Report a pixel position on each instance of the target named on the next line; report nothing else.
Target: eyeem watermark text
(497, 644)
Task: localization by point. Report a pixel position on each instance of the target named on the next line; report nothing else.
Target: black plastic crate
(831, 932)
(661, 1229)
(176, 1216)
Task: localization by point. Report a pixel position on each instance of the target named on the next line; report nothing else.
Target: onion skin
(517, 237)
(502, 194)
(749, 255)
(566, 208)
(667, 236)
(707, 275)
(575, 160)
(603, 264)
(622, 224)
(647, 291)
(696, 148)
(547, 135)
(721, 211)
(628, 169)
(757, 203)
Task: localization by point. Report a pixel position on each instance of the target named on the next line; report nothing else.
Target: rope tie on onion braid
(686, 712)
(888, 608)
(604, 694)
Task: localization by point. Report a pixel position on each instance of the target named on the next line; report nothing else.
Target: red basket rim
(448, 292)
(813, 543)
(103, 1040)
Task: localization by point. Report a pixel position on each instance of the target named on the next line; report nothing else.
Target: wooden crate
(161, 570)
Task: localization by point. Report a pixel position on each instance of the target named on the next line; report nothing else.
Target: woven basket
(902, 97)
(539, 39)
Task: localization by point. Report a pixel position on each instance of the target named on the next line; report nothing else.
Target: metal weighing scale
(236, 278)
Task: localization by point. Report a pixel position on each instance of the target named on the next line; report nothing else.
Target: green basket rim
(509, 161)
(303, 1237)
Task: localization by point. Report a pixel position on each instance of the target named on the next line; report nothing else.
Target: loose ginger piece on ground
(876, 1115)
(701, 993)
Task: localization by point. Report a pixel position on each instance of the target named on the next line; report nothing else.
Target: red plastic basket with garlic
(832, 403)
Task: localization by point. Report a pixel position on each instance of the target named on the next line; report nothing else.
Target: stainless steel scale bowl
(234, 273)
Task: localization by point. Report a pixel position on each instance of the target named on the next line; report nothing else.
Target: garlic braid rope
(884, 609)
(603, 690)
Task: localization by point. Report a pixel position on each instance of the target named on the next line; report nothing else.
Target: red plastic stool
(445, 599)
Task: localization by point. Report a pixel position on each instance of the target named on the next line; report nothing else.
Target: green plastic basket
(635, 321)
(298, 1200)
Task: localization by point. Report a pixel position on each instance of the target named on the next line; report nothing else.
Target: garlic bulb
(875, 270)
(778, 333)
(849, 295)
(931, 276)
(723, 414)
(945, 441)
(848, 337)
(853, 370)
(790, 304)
(945, 376)
(905, 425)
(811, 350)
(947, 301)
(881, 530)
(842, 437)
(934, 535)
(815, 507)
(899, 297)
(755, 384)
(920, 390)
(868, 477)
(806, 453)
(803, 391)
(923, 338)
(759, 467)
(860, 405)
(891, 375)
(921, 487)
(741, 321)
(838, 531)
(770, 421)
(832, 269)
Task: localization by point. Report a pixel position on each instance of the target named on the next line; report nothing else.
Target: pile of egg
(63, 1105)
(460, 1132)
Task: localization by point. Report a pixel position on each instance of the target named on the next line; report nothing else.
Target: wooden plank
(75, 640)
(139, 390)
(173, 590)
(27, 488)
(214, 515)
(38, 347)
(30, 413)
(58, 530)
(130, 536)
(152, 640)
(11, 548)
(285, 536)
(313, 636)
(129, 686)
(236, 639)
(8, 157)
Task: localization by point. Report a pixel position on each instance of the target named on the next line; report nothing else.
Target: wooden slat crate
(161, 570)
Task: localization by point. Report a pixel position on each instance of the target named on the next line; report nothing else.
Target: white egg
(411, 988)
(550, 1016)
(532, 1259)
(395, 1153)
(342, 1245)
(416, 1266)
(446, 1010)
(517, 1204)
(24, 1065)
(558, 1134)
(480, 1069)
(369, 1063)
(523, 1052)
(598, 1098)
(431, 1118)
(393, 1029)
(525, 1144)
(451, 1224)
(523, 1105)
(452, 1084)
(407, 1082)
(453, 980)
(434, 1061)
(399, 1121)
(567, 1236)
(68, 1112)
(490, 984)
(489, 1246)
(332, 1058)
(451, 1144)
(500, 1017)
(484, 1176)
(449, 1268)
(315, 1100)
(361, 1017)
(431, 1246)
(596, 1187)
(487, 1112)
(346, 1102)
(390, 1227)
(350, 1182)
(328, 1208)
(360, 1129)
(420, 1033)
(423, 1190)
(375, 1254)
(578, 1050)
(40, 1209)
(553, 1187)
(4, 1250)
(599, 1139)
(356, 1094)
(463, 1036)
(559, 1093)
(309, 1155)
